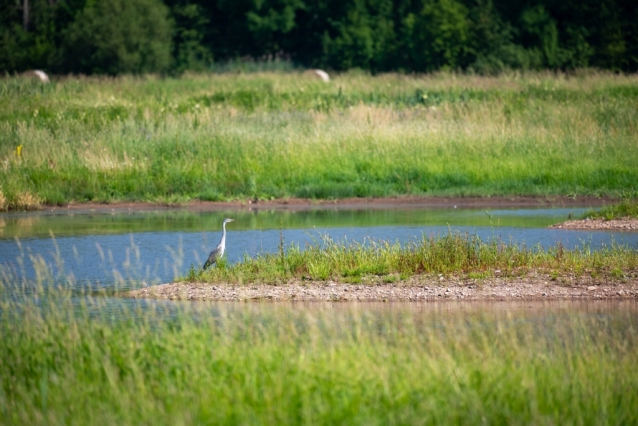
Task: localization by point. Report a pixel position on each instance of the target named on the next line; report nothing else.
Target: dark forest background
(171, 36)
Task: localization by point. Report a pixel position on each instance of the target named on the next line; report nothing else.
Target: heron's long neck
(223, 241)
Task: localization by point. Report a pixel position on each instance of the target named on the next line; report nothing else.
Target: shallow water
(61, 223)
(99, 250)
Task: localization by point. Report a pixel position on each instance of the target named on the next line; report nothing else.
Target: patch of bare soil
(416, 289)
(347, 203)
(626, 224)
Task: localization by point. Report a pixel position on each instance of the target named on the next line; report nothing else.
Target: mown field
(278, 135)
(68, 359)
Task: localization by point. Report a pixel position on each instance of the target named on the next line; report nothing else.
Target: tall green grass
(68, 362)
(454, 254)
(277, 135)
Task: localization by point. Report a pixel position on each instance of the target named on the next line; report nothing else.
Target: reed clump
(277, 135)
(453, 254)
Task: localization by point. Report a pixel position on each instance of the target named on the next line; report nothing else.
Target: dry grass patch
(4, 205)
(26, 201)
(105, 161)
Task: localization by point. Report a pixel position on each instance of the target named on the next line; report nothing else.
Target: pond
(98, 250)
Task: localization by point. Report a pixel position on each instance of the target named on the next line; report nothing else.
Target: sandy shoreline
(533, 287)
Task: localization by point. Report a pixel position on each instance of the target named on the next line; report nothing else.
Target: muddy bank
(347, 203)
(625, 224)
(416, 289)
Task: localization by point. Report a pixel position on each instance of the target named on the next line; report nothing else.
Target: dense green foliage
(463, 256)
(73, 360)
(119, 36)
(268, 136)
(134, 36)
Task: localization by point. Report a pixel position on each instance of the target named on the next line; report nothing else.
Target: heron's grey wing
(213, 256)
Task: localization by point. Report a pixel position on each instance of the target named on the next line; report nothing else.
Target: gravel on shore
(415, 289)
(625, 224)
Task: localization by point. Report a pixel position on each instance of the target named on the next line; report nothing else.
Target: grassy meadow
(278, 135)
(66, 359)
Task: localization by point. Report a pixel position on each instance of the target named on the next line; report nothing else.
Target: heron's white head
(228, 220)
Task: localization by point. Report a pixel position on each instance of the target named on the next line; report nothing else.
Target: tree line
(171, 36)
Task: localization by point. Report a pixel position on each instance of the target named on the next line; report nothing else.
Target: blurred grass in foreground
(453, 254)
(79, 361)
(265, 135)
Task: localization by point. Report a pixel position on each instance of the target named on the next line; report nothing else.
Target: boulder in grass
(37, 75)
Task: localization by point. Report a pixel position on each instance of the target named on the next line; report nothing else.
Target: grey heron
(218, 251)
